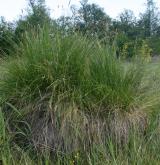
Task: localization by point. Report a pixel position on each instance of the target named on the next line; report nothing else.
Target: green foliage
(66, 25)
(2, 128)
(149, 21)
(38, 15)
(91, 20)
(126, 24)
(154, 43)
(6, 37)
(126, 47)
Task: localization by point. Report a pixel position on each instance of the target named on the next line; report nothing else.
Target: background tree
(38, 15)
(150, 20)
(126, 33)
(6, 36)
(127, 23)
(66, 25)
(91, 20)
(149, 26)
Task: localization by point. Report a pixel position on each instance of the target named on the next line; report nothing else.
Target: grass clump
(65, 95)
(70, 65)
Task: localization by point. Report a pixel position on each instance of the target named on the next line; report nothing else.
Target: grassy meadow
(69, 100)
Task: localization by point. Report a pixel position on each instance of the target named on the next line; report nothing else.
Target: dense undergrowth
(68, 100)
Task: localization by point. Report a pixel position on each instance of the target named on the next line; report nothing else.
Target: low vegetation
(68, 99)
(80, 90)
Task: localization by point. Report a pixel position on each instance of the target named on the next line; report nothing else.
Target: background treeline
(129, 35)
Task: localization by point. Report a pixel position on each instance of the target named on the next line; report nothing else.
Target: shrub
(154, 43)
(145, 52)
